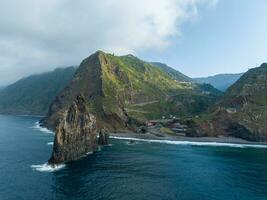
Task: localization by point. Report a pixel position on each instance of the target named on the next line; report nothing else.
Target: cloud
(37, 36)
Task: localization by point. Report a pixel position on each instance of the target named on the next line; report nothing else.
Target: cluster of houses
(173, 124)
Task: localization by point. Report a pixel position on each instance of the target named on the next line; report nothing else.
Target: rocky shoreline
(111, 93)
(150, 136)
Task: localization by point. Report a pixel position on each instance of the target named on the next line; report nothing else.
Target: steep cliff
(124, 91)
(119, 93)
(242, 112)
(91, 81)
(76, 133)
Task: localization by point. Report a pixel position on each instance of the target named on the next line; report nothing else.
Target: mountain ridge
(33, 94)
(220, 81)
(242, 111)
(121, 93)
(175, 74)
(124, 86)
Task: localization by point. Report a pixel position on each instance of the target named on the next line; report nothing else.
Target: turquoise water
(121, 171)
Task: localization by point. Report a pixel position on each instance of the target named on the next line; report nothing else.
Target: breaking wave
(38, 126)
(89, 153)
(50, 143)
(214, 144)
(47, 168)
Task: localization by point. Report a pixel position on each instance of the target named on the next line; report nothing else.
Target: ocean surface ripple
(145, 170)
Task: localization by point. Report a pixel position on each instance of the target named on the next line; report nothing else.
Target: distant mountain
(220, 81)
(33, 95)
(242, 111)
(176, 75)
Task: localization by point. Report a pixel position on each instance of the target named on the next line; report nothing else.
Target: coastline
(219, 140)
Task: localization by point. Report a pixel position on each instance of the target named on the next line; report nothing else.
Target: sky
(196, 37)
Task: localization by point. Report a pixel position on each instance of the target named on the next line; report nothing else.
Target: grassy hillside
(148, 92)
(248, 97)
(34, 94)
(242, 112)
(176, 75)
(117, 88)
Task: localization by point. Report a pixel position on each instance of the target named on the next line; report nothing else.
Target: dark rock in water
(131, 142)
(76, 133)
(103, 137)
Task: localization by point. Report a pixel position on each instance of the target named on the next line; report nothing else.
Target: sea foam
(50, 143)
(47, 168)
(214, 144)
(38, 126)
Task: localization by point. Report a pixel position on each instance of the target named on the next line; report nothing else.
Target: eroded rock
(103, 137)
(76, 133)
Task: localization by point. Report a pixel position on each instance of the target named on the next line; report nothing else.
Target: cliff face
(119, 93)
(124, 91)
(86, 81)
(242, 111)
(76, 133)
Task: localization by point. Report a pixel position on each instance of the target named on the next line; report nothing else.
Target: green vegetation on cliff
(251, 88)
(174, 74)
(242, 111)
(34, 94)
(248, 99)
(122, 88)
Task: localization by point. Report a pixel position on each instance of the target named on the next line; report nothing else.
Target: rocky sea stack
(76, 133)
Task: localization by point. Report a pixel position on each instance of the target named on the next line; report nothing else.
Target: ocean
(146, 170)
